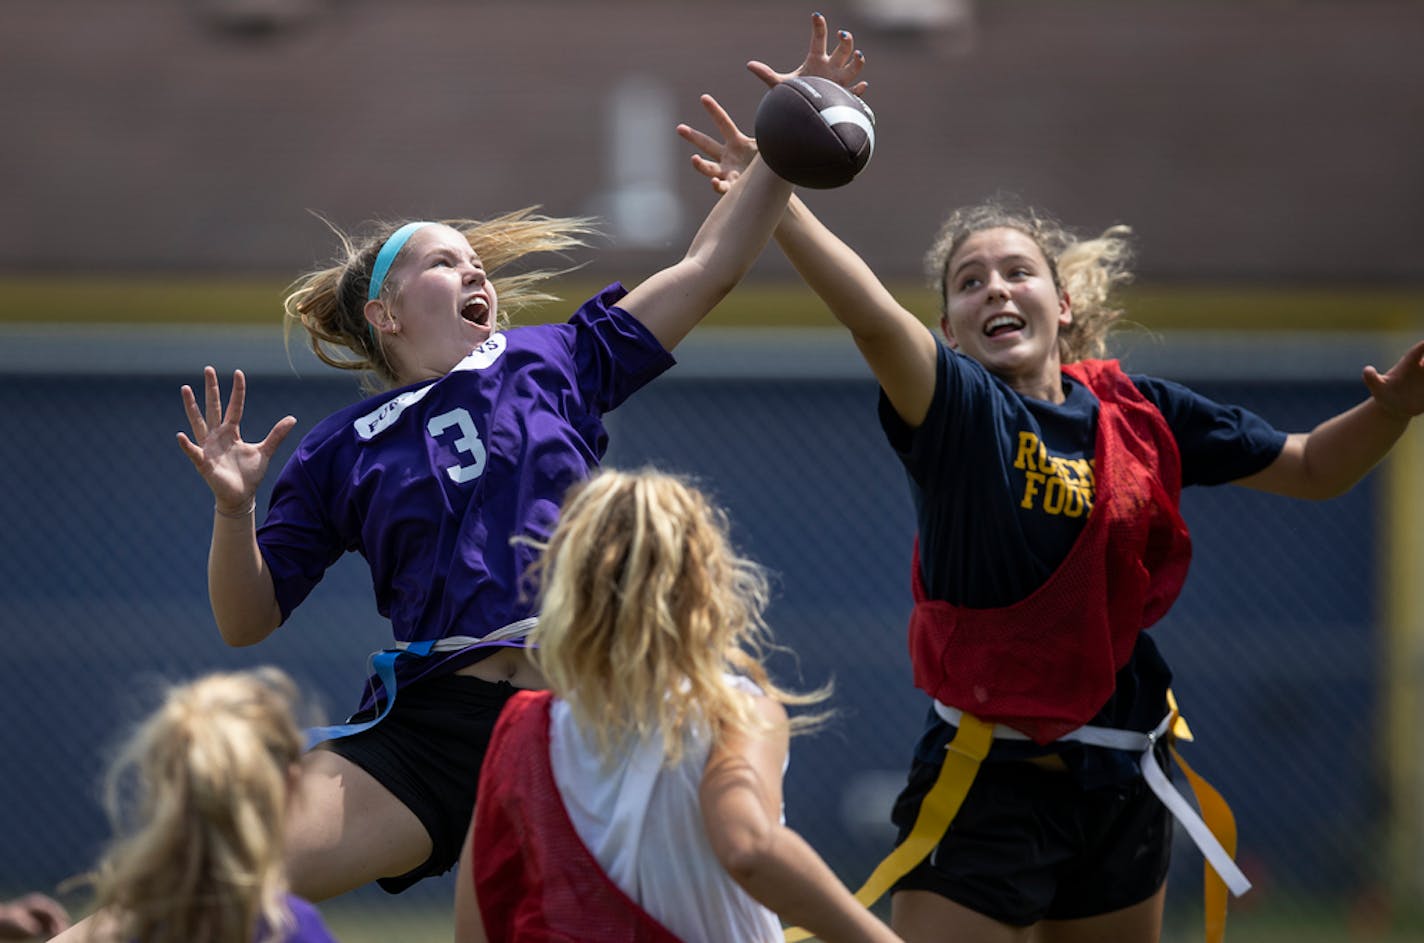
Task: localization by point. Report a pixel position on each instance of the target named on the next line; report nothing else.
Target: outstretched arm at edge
(1331, 458)
(741, 810)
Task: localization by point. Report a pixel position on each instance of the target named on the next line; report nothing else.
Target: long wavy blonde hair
(645, 609)
(198, 797)
(329, 303)
(1088, 270)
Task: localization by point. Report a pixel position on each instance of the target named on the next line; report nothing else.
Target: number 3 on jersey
(469, 442)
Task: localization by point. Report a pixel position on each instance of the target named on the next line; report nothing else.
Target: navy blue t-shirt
(1002, 484)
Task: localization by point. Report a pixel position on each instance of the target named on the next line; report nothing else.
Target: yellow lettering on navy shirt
(1054, 485)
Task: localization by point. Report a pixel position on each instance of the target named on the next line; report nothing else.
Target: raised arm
(239, 583)
(899, 348)
(1332, 457)
(674, 300)
(741, 809)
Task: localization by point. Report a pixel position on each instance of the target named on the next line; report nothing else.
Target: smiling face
(1004, 310)
(437, 306)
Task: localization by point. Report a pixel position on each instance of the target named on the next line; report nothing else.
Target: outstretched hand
(33, 916)
(722, 161)
(725, 160)
(841, 65)
(232, 468)
(1400, 391)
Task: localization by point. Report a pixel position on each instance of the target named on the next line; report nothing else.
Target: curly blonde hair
(198, 796)
(645, 609)
(329, 303)
(1089, 271)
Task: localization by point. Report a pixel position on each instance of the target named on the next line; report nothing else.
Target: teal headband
(389, 250)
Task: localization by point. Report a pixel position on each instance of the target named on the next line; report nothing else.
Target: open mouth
(1003, 324)
(476, 311)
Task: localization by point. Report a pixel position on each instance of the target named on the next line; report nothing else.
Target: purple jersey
(430, 481)
(308, 927)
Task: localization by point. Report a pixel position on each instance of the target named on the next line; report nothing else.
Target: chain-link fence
(1278, 641)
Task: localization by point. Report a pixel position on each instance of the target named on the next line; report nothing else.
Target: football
(814, 133)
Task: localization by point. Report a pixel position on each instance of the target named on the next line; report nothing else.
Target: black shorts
(427, 752)
(1030, 844)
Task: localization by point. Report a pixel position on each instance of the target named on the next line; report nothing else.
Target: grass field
(369, 923)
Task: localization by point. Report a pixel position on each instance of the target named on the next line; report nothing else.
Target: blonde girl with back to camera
(649, 776)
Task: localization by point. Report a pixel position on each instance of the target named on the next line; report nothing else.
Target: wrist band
(251, 507)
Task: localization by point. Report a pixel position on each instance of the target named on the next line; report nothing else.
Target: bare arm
(239, 584)
(469, 928)
(673, 301)
(899, 348)
(741, 810)
(1332, 457)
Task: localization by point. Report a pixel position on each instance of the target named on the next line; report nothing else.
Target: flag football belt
(1213, 831)
(383, 667)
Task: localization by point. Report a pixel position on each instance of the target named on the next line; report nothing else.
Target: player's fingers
(51, 913)
(721, 118)
(846, 78)
(766, 73)
(212, 397)
(26, 923)
(195, 415)
(698, 139)
(851, 68)
(1416, 354)
(192, 450)
(279, 432)
(1387, 395)
(238, 398)
(706, 167)
(845, 49)
(818, 35)
(1374, 381)
(703, 142)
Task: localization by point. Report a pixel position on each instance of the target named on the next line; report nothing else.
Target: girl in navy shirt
(1046, 483)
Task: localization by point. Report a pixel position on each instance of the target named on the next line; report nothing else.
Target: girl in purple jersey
(1045, 485)
(476, 441)
(198, 795)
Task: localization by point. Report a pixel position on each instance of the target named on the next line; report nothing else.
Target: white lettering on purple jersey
(485, 354)
(373, 423)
